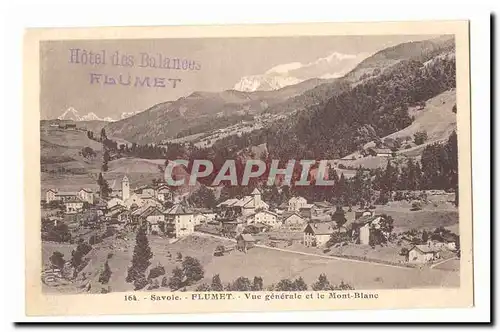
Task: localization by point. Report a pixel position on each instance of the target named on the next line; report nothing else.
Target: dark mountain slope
(375, 107)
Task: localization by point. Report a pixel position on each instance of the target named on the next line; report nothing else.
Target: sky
(71, 79)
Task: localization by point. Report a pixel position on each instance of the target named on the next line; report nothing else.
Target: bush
(416, 206)
(420, 137)
(140, 283)
(157, 271)
(175, 281)
(153, 284)
(59, 233)
(57, 260)
(219, 251)
(193, 271)
(399, 196)
(203, 288)
(241, 284)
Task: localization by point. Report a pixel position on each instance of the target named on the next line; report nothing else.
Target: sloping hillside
(374, 108)
(436, 118)
(201, 111)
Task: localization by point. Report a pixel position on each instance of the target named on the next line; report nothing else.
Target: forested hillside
(374, 108)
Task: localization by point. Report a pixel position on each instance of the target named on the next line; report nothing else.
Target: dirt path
(310, 254)
(439, 263)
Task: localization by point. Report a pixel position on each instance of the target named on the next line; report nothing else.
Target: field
(272, 265)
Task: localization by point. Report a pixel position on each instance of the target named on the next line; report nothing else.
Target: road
(446, 260)
(309, 254)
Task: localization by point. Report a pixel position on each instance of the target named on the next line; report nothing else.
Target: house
(86, 195)
(163, 193)
(50, 195)
(249, 204)
(293, 221)
(306, 211)
(114, 202)
(380, 152)
(202, 216)
(83, 194)
(317, 234)
(264, 217)
(112, 213)
(153, 217)
(422, 254)
(321, 208)
(361, 228)
(73, 205)
(179, 221)
(245, 242)
(245, 206)
(146, 191)
(360, 213)
(448, 241)
(134, 199)
(123, 217)
(296, 203)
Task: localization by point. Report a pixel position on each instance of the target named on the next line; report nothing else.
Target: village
(296, 225)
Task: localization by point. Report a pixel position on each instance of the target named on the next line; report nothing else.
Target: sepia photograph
(277, 164)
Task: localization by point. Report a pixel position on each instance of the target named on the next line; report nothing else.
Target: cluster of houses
(142, 206)
(146, 205)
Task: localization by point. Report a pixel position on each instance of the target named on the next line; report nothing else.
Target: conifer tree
(216, 285)
(141, 258)
(105, 274)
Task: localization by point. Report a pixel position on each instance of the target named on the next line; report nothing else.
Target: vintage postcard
(247, 168)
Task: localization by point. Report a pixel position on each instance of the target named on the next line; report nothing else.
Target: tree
(141, 257)
(216, 285)
(203, 197)
(157, 271)
(241, 284)
(258, 284)
(57, 260)
(105, 274)
(379, 233)
(322, 283)
(300, 285)
(176, 280)
(77, 255)
(420, 137)
(342, 286)
(285, 285)
(88, 153)
(425, 236)
(103, 135)
(404, 252)
(339, 216)
(58, 233)
(193, 271)
(203, 288)
(104, 188)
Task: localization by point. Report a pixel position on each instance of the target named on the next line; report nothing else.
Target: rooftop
(320, 228)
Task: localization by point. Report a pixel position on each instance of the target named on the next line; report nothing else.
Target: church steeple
(125, 188)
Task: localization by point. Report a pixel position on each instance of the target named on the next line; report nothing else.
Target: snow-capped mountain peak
(332, 66)
(90, 116)
(125, 115)
(70, 114)
(73, 115)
